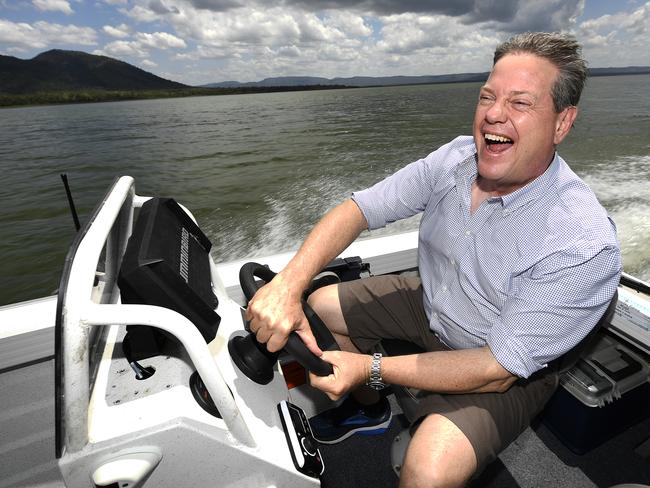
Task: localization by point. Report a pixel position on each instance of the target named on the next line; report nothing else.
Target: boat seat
(569, 359)
(630, 485)
(408, 398)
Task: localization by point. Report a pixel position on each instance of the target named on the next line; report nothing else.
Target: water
(259, 170)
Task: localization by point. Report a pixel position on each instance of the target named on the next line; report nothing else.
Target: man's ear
(564, 123)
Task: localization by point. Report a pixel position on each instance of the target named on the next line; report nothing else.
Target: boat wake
(622, 187)
(283, 220)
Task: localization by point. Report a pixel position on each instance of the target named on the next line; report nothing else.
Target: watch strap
(375, 379)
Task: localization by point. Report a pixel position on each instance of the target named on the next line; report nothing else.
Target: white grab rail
(188, 335)
(112, 225)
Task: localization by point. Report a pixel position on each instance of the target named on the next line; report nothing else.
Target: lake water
(258, 170)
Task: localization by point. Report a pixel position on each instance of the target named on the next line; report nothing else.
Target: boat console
(147, 389)
(166, 263)
(158, 380)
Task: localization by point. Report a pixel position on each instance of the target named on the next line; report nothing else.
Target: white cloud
(159, 7)
(53, 6)
(209, 52)
(332, 52)
(261, 40)
(19, 34)
(140, 46)
(350, 24)
(43, 34)
(535, 15)
(256, 42)
(160, 40)
(636, 22)
(619, 39)
(378, 36)
(123, 49)
(408, 33)
(140, 13)
(119, 31)
(289, 52)
(57, 34)
(254, 39)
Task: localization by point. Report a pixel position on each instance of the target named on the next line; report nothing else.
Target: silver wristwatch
(375, 381)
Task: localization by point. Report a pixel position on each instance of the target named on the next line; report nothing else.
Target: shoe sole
(371, 430)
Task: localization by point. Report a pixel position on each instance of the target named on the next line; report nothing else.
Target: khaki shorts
(391, 307)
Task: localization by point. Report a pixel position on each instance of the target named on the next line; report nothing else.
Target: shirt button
(452, 262)
(468, 232)
(444, 288)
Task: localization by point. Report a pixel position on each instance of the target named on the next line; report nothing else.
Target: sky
(204, 41)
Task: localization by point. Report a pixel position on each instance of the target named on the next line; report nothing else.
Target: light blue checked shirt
(529, 274)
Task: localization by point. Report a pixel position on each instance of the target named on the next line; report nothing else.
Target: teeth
(496, 138)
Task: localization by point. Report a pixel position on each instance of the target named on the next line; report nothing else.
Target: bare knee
(326, 304)
(320, 299)
(427, 475)
(439, 455)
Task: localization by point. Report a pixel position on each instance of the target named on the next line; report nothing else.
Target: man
(517, 263)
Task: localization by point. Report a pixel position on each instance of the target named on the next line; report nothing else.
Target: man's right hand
(275, 311)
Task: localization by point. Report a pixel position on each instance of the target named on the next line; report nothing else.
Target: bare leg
(439, 455)
(325, 302)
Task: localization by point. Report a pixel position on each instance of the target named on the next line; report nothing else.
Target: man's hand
(275, 311)
(460, 371)
(350, 371)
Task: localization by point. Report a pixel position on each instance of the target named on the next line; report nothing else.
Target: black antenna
(68, 193)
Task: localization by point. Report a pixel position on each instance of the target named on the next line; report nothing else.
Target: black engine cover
(166, 264)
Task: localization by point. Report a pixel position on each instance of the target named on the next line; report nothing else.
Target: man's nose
(496, 112)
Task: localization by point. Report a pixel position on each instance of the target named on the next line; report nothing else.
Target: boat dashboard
(146, 386)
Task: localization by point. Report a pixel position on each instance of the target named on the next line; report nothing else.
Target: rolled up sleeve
(407, 192)
(554, 307)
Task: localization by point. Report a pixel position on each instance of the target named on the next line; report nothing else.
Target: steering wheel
(294, 346)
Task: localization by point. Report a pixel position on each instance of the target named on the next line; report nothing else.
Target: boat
(140, 372)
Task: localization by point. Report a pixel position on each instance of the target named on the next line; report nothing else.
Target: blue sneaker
(351, 417)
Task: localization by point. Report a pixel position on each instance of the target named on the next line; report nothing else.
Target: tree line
(92, 96)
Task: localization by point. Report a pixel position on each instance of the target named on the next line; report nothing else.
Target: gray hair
(560, 49)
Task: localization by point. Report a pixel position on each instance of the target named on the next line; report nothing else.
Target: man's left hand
(350, 370)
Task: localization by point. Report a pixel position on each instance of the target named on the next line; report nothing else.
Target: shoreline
(84, 95)
(68, 97)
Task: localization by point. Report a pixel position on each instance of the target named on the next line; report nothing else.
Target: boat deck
(536, 459)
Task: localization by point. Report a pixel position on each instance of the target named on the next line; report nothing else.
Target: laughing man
(517, 263)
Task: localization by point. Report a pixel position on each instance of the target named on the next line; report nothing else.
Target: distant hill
(59, 70)
(360, 81)
(356, 81)
(629, 70)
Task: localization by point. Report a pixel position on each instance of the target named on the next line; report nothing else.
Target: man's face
(516, 127)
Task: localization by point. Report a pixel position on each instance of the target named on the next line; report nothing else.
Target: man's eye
(521, 104)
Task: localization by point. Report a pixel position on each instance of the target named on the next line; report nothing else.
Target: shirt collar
(467, 171)
(533, 190)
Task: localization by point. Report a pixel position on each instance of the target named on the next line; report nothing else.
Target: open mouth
(497, 144)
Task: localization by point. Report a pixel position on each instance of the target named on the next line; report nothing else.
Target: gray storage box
(607, 391)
